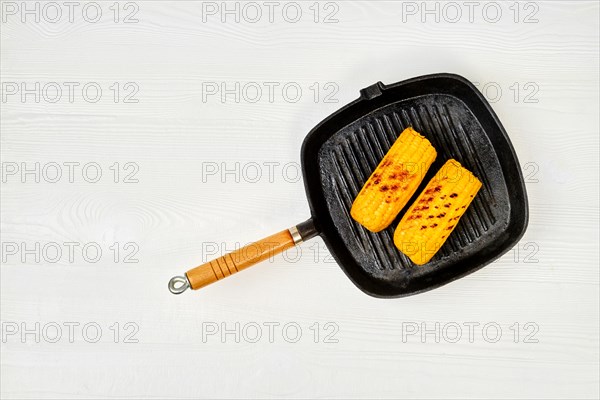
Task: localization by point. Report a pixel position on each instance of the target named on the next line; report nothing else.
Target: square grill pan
(340, 153)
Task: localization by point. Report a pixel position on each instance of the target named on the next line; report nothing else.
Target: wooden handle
(238, 260)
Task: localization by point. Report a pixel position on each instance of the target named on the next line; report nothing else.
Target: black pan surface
(340, 153)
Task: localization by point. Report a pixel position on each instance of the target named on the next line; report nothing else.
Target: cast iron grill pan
(339, 155)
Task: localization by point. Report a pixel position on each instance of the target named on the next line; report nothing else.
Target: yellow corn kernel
(436, 212)
(394, 181)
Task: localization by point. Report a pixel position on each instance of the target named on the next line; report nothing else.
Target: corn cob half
(394, 181)
(436, 212)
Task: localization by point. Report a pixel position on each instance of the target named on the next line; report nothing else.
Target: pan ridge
(436, 117)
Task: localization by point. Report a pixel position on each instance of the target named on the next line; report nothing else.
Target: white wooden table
(196, 134)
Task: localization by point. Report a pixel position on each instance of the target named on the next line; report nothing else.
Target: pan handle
(243, 258)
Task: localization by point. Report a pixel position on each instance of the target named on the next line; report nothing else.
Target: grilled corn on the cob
(394, 181)
(436, 212)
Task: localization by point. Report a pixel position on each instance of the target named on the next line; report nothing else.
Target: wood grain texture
(189, 207)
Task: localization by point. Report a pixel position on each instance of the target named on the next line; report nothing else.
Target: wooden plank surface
(199, 175)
